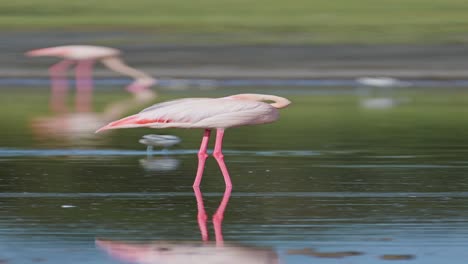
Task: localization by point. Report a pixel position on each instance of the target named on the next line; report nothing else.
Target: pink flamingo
(84, 56)
(207, 113)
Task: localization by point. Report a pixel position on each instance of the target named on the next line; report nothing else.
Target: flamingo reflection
(77, 126)
(162, 252)
(217, 217)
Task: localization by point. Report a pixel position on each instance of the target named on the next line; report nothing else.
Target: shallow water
(331, 182)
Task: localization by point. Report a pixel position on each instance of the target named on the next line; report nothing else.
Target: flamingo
(207, 113)
(84, 56)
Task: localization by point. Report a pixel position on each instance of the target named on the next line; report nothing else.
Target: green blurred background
(316, 21)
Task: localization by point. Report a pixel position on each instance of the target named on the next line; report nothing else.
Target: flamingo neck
(117, 65)
(278, 102)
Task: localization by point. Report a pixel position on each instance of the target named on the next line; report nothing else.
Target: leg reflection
(201, 216)
(217, 217)
(59, 85)
(84, 85)
(189, 252)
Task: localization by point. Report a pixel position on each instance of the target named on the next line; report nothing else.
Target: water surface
(331, 182)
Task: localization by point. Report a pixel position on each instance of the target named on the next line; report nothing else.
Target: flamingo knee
(218, 155)
(202, 155)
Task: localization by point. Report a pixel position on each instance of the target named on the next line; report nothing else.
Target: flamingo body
(207, 113)
(200, 113)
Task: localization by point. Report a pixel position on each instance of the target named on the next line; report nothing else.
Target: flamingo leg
(217, 153)
(219, 216)
(84, 85)
(201, 216)
(59, 85)
(202, 155)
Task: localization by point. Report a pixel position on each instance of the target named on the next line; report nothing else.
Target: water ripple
(194, 82)
(389, 166)
(13, 152)
(239, 194)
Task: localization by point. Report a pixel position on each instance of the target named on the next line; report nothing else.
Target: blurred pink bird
(207, 113)
(85, 56)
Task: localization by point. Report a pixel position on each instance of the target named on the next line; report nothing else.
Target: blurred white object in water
(381, 82)
(380, 89)
(154, 140)
(159, 164)
(68, 206)
(378, 103)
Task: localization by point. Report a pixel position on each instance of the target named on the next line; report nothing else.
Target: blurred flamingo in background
(85, 56)
(207, 113)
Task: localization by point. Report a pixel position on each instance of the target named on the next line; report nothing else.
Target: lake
(342, 177)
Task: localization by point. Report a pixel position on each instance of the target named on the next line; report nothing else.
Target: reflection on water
(164, 163)
(331, 183)
(191, 252)
(12, 152)
(185, 252)
(77, 128)
(379, 92)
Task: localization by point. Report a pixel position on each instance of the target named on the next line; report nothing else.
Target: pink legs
(59, 85)
(201, 216)
(217, 217)
(217, 153)
(202, 155)
(84, 85)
